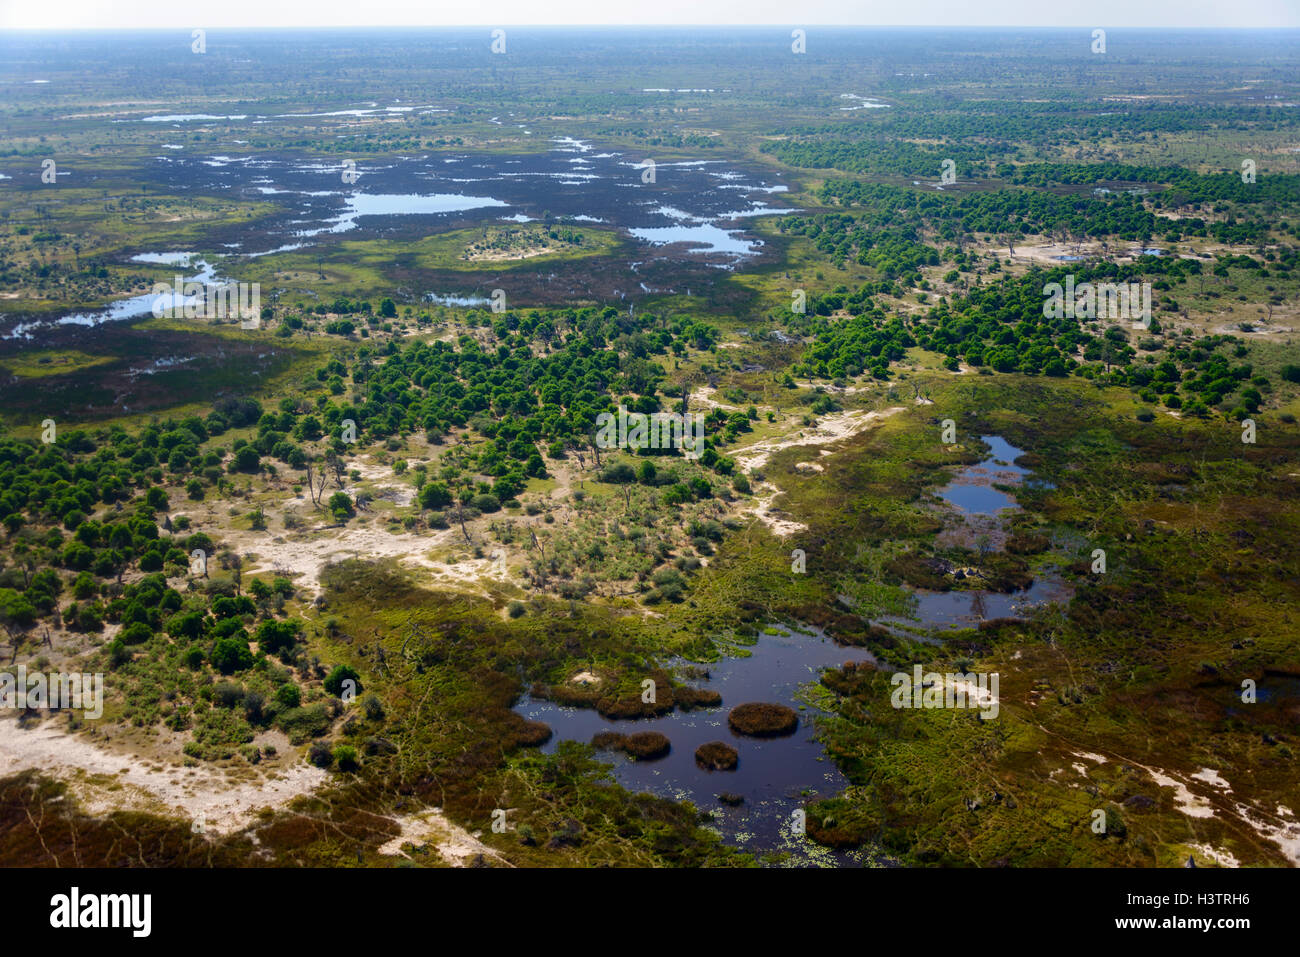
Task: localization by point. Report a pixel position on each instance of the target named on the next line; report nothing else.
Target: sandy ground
(704, 396)
(829, 428)
(1215, 855)
(764, 512)
(105, 781)
(455, 844)
(302, 556)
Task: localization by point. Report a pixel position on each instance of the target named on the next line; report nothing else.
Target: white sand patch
(1220, 857)
(585, 678)
(809, 467)
(1284, 833)
(455, 844)
(763, 511)
(304, 555)
(1212, 778)
(201, 793)
(1193, 805)
(982, 698)
(1098, 758)
(830, 428)
(704, 396)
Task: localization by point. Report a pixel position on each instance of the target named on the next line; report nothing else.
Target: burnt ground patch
(147, 369)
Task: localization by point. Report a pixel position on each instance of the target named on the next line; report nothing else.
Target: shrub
(231, 654)
(136, 634)
(435, 495)
(340, 674)
(340, 506)
(303, 723)
(274, 637)
(345, 756)
(288, 696)
(646, 745)
(227, 694)
(320, 754)
(763, 720)
(717, 756)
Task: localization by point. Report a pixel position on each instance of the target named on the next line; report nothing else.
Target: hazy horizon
(1005, 14)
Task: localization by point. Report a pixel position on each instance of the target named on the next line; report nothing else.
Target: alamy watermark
(657, 430)
(199, 300)
(933, 689)
(81, 692)
(1104, 300)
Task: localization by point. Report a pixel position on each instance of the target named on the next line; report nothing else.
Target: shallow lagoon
(773, 774)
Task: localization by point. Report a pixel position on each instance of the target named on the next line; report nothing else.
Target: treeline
(886, 155)
(543, 385)
(1185, 187)
(1018, 211)
(1001, 327)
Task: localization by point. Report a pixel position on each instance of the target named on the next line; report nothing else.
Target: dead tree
(338, 467)
(460, 515)
(315, 484)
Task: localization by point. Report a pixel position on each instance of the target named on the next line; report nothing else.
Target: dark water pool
(774, 775)
(941, 610)
(972, 495)
(971, 489)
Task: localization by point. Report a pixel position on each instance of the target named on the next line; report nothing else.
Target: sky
(122, 14)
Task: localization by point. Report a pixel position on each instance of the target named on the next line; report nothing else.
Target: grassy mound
(689, 698)
(646, 745)
(641, 746)
(717, 756)
(762, 719)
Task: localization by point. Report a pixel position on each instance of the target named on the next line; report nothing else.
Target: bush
(231, 654)
(763, 720)
(717, 756)
(245, 460)
(434, 495)
(288, 696)
(340, 506)
(320, 755)
(345, 756)
(646, 745)
(273, 637)
(334, 684)
(619, 473)
(303, 723)
(642, 746)
(136, 634)
(227, 694)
